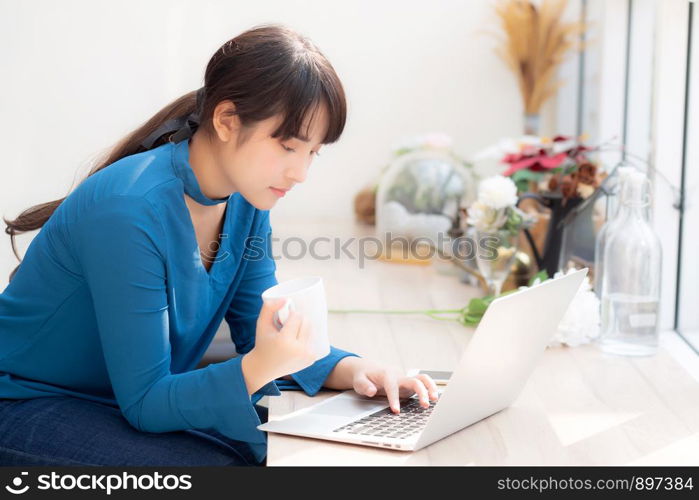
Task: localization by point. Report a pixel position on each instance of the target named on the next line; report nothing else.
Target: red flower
(553, 161)
(539, 163)
(538, 159)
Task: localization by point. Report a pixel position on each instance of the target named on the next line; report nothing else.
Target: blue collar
(183, 170)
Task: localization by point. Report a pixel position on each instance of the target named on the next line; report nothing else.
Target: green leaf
(542, 275)
(471, 320)
(527, 174)
(522, 177)
(473, 313)
(477, 306)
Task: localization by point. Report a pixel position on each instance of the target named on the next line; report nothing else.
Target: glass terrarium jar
(420, 196)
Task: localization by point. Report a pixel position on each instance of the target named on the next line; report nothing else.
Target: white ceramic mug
(306, 296)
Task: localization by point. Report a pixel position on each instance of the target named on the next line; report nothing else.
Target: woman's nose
(299, 171)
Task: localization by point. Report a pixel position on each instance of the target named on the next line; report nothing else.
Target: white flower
(497, 192)
(581, 323)
(485, 218)
(497, 196)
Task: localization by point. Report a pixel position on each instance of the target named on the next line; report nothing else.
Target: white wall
(77, 75)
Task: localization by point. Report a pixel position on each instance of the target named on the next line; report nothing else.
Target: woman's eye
(291, 150)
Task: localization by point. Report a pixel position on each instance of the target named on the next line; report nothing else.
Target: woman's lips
(279, 192)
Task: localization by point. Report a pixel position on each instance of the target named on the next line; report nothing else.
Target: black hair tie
(183, 127)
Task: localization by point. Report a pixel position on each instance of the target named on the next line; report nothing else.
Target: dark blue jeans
(64, 430)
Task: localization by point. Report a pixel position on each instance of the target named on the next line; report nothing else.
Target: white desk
(580, 406)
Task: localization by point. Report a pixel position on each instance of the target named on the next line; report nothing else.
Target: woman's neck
(212, 181)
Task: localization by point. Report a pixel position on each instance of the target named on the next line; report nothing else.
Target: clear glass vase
(631, 266)
(495, 253)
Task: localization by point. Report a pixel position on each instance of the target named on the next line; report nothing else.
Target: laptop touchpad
(349, 407)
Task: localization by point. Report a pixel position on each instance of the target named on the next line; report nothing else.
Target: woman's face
(264, 168)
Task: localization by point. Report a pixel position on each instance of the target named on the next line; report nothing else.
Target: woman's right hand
(281, 352)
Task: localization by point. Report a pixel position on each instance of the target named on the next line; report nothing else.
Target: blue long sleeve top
(112, 303)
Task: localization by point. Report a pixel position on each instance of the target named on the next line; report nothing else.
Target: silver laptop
(495, 365)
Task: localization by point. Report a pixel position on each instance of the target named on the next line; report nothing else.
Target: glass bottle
(631, 275)
(601, 239)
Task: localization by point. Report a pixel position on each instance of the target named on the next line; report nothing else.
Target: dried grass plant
(536, 41)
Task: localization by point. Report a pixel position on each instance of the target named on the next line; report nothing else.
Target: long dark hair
(266, 71)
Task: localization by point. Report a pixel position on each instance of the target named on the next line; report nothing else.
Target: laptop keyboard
(384, 423)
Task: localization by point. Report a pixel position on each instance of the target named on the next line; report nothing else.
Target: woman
(117, 298)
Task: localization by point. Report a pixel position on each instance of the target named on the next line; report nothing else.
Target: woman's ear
(226, 123)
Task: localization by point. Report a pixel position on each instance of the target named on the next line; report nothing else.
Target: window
(638, 81)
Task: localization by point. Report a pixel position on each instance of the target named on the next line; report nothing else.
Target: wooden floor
(580, 406)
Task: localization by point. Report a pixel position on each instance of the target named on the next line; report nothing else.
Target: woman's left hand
(371, 379)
